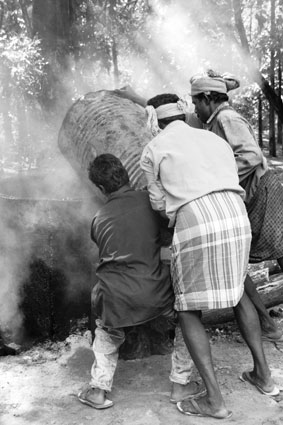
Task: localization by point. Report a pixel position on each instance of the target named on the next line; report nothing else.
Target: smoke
(13, 263)
(45, 212)
(45, 218)
(173, 47)
(177, 46)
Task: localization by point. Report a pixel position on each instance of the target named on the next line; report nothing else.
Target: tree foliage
(23, 64)
(54, 50)
(252, 30)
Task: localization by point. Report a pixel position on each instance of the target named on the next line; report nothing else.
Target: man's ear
(102, 188)
(207, 99)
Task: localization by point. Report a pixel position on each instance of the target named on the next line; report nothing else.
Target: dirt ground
(39, 386)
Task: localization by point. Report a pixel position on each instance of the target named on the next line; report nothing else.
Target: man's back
(134, 286)
(126, 231)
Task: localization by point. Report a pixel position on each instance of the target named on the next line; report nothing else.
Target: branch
(1, 13)
(26, 17)
(263, 83)
(271, 95)
(237, 6)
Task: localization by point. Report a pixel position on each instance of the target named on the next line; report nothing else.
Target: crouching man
(133, 286)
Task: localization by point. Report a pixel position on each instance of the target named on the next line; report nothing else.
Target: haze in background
(175, 50)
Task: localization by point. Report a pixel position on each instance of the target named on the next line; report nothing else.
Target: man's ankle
(181, 389)
(99, 395)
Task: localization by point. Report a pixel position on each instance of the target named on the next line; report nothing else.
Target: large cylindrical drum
(103, 122)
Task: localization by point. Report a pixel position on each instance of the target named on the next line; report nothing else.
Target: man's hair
(108, 171)
(163, 99)
(214, 96)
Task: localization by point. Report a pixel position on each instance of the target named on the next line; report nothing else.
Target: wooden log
(271, 293)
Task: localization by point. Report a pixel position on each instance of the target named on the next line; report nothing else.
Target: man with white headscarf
(192, 179)
(264, 192)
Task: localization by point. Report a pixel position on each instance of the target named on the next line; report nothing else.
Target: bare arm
(128, 93)
(154, 186)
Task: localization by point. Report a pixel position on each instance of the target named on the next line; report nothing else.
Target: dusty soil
(39, 386)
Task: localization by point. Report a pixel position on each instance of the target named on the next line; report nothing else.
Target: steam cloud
(176, 49)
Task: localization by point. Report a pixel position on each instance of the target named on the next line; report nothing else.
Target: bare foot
(272, 334)
(270, 329)
(265, 386)
(191, 390)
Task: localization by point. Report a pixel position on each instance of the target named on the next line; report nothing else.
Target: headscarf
(164, 111)
(208, 82)
(231, 81)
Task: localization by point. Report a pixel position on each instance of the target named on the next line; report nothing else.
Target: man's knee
(183, 315)
(108, 341)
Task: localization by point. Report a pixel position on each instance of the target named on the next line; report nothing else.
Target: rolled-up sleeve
(240, 137)
(150, 166)
(92, 230)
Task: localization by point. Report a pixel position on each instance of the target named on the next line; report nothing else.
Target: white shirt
(182, 164)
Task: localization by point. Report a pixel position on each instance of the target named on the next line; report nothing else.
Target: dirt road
(39, 386)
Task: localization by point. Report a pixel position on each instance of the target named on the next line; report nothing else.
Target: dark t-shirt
(134, 286)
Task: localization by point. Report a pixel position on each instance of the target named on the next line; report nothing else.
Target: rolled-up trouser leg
(182, 364)
(106, 352)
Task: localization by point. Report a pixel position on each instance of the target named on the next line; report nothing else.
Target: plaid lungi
(266, 217)
(210, 252)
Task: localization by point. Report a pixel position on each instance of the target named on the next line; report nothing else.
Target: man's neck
(215, 108)
(122, 189)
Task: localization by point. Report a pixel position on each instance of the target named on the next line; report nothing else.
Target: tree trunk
(22, 152)
(237, 6)
(272, 142)
(115, 63)
(26, 17)
(112, 17)
(260, 138)
(260, 26)
(270, 94)
(279, 122)
(267, 90)
(5, 109)
(7, 126)
(1, 13)
(51, 22)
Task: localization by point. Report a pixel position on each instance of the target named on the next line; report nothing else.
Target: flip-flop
(197, 410)
(246, 377)
(106, 404)
(274, 340)
(201, 392)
